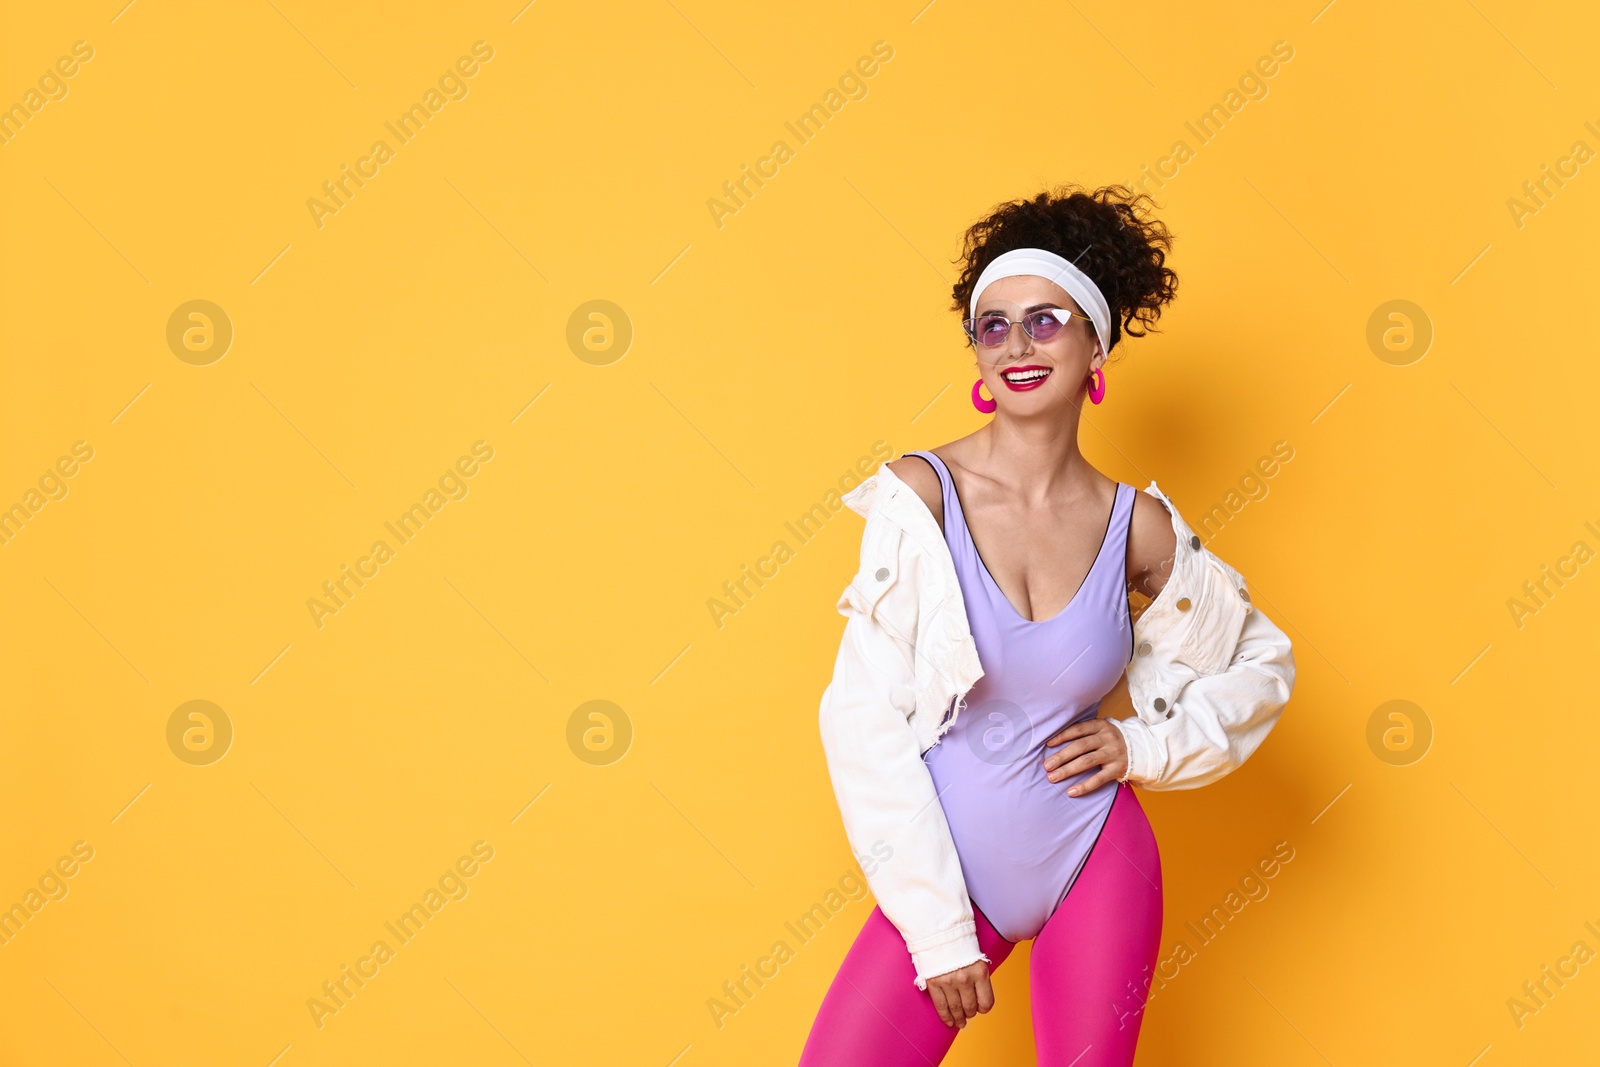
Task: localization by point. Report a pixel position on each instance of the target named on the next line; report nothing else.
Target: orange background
(646, 449)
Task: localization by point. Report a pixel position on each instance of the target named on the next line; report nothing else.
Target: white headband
(1054, 268)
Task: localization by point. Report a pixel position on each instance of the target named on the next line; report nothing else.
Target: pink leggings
(1090, 970)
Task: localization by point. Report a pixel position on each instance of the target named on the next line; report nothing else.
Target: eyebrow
(1027, 310)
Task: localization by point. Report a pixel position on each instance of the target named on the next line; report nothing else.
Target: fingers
(1112, 758)
(959, 1000)
(1111, 767)
(1104, 748)
(1086, 736)
(969, 999)
(1088, 763)
(1067, 733)
(1109, 773)
(1072, 754)
(949, 1002)
(1077, 763)
(985, 993)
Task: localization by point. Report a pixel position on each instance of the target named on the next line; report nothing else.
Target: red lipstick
(1021, 379)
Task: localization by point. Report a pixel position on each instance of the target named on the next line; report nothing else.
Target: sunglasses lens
(991, 330)
(1042, 326)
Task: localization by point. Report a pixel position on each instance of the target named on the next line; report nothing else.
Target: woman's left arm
(1199, 725)
(1217, 720)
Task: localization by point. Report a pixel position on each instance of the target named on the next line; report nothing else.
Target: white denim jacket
(1208, 681)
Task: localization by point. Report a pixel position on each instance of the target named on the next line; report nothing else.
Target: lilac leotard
(1021, 839)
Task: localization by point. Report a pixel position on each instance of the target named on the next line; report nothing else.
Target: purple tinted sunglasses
(992, 329)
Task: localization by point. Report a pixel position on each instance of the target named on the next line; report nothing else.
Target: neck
(1038, 455)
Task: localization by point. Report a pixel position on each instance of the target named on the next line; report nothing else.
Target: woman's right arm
(884, 790)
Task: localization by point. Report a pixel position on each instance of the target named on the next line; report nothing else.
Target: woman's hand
(961, 994)
(1094, 743)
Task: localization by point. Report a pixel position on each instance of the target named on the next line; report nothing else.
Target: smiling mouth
(1029, 377)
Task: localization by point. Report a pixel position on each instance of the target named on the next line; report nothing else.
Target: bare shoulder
(919, 474)
(1152, 545)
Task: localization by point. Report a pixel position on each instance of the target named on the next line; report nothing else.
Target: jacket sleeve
(884, 789)
(1216, 720)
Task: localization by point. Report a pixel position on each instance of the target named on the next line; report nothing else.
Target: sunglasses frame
(1062, 315)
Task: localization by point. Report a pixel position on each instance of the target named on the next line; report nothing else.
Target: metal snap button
(1244, 593)
(1144, 648)
(1194, 542)
(1161, 704)
(883, 574)
(1183, 603)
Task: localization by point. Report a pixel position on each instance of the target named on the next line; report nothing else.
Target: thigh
(874, 1015)
(1093, 962)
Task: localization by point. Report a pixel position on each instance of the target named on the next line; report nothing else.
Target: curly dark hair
(1103, 232)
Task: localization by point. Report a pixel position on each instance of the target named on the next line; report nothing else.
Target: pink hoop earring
(1097, 386)
(985, 406)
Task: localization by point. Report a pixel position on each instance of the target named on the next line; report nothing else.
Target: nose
(1018, 343)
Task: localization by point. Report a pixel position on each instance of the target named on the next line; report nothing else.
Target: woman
(989, 618)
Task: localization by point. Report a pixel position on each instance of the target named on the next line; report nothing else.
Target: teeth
(1024, 376)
